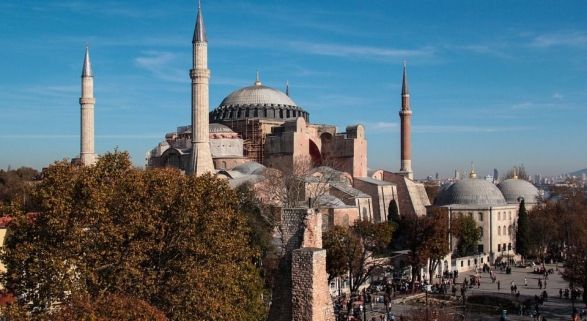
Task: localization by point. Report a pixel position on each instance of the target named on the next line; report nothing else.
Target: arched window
(480, 216)
(509, 246)
(510, 230)
(498, 247)
(510, 215)
(499, 231)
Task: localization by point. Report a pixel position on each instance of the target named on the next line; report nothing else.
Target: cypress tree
(523, 231)
(393, 212)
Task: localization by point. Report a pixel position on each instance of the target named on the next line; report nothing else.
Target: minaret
(201, 157)
(287, 87)
(405, 115)
(87, 102)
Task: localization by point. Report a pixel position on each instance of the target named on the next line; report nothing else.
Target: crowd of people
(381, 294)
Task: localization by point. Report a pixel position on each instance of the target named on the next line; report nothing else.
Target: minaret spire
(87, 68)
(87, 103)
(405, 89)
(405, 115)
(257, 79)
(201, 157)
(287, 87)
(200, 30)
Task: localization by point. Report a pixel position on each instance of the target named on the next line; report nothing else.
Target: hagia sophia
(257, 127)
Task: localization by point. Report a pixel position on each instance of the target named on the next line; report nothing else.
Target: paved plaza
(554, 308)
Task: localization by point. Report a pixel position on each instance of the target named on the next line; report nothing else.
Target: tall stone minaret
(87, 102)
(201, 157)
(405, 115)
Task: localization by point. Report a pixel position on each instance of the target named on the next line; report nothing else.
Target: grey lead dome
(471, 191)
(257, 101)
(512, 189)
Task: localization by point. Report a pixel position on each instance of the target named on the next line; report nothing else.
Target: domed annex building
(495, 210)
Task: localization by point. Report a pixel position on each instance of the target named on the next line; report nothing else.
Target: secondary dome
(471, 191)
(257, 101)
(512, 189)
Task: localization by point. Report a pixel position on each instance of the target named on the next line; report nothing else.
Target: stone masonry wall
(311, 299)
(301, 291)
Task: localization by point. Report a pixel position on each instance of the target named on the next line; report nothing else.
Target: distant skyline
(498, 83)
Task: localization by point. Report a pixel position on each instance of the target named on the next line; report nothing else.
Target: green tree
(522, 231)
(466, 231)
(174, 241)
(393, 212)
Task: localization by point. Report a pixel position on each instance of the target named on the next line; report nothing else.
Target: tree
(261, 226)
(174, 241)
(412, 236)
(393, 212)
(351, 250)
(523, 231)
(519, 172)
(109, 307)
(16, 186)
(466, 231)
(343, 250)
(436, 243)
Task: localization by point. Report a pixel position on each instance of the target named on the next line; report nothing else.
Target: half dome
(471, 191)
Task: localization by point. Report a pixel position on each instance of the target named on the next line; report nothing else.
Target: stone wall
(301, 291)
(311, 299)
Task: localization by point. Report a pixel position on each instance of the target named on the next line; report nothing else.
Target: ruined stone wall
(301, 292)
(311, 299)
(292, 236)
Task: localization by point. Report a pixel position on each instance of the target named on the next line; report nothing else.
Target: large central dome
(257, 101)
(257, 95)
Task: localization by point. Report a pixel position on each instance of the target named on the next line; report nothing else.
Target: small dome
(257, 101)
(219, 128)
(512, 189)
(470, 191)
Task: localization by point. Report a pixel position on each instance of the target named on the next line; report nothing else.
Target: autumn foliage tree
(351, 250)
(175, 242)
(436, 240)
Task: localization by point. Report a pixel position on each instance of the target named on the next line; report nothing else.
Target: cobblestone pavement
(554, 308)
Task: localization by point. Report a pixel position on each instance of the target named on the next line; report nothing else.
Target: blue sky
(495, 82)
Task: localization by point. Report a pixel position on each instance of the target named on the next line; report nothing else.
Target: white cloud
(358, 51)
(568, 39)
(467, 129)
(160, 64)
(558, 96)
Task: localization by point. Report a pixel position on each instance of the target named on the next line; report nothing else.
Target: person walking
(498, 285)
(525, 281)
